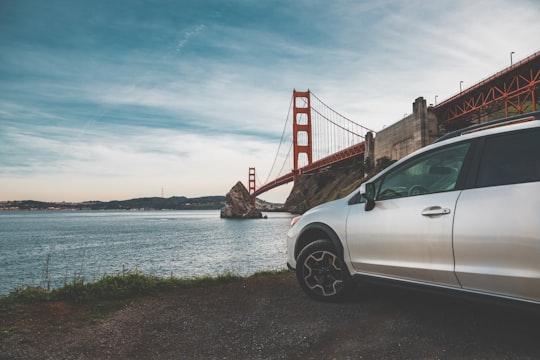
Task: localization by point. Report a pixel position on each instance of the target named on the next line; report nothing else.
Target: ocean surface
(52, 248)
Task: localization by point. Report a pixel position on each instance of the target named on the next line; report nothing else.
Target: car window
(510, 159)
(433, 172)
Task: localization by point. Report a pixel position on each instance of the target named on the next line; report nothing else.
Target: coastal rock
(239, 205)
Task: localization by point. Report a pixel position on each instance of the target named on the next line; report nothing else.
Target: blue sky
(121, 99)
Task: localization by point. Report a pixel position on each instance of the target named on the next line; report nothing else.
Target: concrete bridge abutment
(413, 132)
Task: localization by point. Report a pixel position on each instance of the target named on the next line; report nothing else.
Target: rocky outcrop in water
(239, 205)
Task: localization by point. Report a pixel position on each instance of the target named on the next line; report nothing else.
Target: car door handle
(435, 210)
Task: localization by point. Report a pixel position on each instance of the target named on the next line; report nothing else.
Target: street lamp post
(511, 53)
(436, 96)
(461, 82)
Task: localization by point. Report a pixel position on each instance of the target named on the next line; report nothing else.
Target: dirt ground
(270, 318)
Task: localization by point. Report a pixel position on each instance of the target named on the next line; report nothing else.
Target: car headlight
(295, 220)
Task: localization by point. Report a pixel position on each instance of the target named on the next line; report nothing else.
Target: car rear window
(510, 159)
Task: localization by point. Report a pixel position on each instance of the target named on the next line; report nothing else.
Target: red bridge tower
(301, 128)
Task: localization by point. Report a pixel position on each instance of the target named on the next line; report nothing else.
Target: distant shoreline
(138, 204)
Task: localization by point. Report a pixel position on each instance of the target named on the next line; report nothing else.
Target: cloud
(188, 164)
(191, 95)
(188, 35)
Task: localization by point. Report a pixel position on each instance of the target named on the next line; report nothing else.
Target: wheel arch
(318, 231)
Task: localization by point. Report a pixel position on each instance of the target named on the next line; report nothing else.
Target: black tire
(322, 273)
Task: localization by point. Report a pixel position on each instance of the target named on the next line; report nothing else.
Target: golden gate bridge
(320, 136)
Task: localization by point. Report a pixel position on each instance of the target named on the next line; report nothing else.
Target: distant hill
(151, 203)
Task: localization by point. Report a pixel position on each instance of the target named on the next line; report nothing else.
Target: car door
(408, 234)
(497, 222)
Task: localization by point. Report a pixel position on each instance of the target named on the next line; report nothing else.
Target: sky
(119, 99)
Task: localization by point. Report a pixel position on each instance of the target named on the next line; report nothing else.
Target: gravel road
(268, 317)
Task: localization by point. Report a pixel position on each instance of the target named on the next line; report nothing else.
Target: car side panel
(395, 239)
(497, 240)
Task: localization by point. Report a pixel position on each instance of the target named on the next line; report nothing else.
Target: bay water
(52, 248)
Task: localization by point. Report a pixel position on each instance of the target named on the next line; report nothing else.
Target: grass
(27, 309)
(121, 286)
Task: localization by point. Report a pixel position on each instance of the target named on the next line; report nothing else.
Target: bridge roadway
(355, 150)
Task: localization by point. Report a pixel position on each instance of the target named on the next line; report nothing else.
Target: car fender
(317, 231)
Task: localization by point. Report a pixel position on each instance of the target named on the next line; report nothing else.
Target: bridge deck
(355, 150)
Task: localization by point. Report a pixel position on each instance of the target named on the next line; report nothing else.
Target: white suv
(462, 213)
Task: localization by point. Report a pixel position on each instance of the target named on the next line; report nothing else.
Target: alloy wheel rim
(322, 273)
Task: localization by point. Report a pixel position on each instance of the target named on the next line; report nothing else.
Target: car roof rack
(492, 124)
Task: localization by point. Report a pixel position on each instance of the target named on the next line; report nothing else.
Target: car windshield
(436, 171)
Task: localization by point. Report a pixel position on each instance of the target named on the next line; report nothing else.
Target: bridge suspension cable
(332, 131)
(284, 139)
(363, 129)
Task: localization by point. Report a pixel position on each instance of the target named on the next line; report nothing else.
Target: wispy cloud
(191, 94)
(188, 35)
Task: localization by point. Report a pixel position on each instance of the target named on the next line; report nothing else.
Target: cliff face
(319, 187)
(239, 205)
(309, 190)
(333, 183)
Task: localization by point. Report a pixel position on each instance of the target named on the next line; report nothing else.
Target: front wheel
(321, 273)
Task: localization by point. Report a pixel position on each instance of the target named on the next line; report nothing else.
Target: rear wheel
(321, 273)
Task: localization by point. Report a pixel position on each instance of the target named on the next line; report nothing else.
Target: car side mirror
(367, 190)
